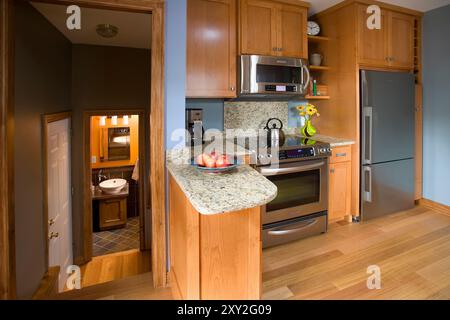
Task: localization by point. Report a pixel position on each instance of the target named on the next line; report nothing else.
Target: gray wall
(175, 70)
(436, 105)
(212, 111)
(42, 85)
(103, 78)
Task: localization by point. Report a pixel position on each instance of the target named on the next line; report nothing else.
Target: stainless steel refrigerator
(387, 143)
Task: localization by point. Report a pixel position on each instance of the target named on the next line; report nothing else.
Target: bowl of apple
(214, 163)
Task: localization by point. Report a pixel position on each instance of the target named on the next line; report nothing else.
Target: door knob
(53, 235)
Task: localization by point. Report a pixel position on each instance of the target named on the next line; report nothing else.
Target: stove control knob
(329, 150)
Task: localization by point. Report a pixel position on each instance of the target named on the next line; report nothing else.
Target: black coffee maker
(194, 125)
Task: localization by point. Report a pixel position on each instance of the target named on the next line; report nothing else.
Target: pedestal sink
(113, 186)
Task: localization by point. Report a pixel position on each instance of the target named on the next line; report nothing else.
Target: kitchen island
(215, 232)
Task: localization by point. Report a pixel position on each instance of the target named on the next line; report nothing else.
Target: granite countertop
(98, 194)
(240, 189)
(333, 141)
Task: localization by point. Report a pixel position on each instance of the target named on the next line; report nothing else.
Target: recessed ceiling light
(107, 30)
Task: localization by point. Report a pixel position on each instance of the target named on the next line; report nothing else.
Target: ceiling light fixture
(125, 120)
(114, 120)
(102, 121)
(106, 30)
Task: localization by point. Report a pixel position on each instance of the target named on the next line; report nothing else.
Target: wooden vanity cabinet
(273, 28)
(392, 46)
(211, 49)
(112, 213)
(340, 184)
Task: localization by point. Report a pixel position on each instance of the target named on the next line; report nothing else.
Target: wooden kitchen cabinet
(112, 213)
(273, 28)
(401, 40)
(372, 44)
(392, 46)
(340, 184)
(211, 49)
(216, 256)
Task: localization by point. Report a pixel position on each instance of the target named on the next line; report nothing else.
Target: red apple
(200, 161)
(223, 161)
(214, 155)
(209, 161)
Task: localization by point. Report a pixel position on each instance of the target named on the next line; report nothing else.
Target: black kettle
(275, 134)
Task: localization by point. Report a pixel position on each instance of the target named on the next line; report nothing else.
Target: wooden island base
(213, 256)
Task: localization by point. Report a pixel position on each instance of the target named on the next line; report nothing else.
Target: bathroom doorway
(114, 187)
(25, 239)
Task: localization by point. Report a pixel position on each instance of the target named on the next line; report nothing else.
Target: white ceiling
(419, 5)
(134, 28)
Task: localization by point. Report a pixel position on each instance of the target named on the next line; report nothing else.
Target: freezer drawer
(295, 229)
(387, 188)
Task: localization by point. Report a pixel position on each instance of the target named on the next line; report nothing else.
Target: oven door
(302, 189)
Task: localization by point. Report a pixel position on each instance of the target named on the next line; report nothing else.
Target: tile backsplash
(254, 114)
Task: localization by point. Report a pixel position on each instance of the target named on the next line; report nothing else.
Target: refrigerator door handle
(367, 135)
(305, 70)
(367, 184)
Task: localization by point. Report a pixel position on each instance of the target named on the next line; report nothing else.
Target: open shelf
(317, 68)
(317, 97)
(317, 38)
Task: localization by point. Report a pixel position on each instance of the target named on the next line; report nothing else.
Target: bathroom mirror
(115, 144)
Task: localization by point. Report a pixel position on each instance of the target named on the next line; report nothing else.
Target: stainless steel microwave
(276, 76)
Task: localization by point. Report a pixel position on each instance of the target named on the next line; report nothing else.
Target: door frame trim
(46, 120)
(7, 220)
(156, 127)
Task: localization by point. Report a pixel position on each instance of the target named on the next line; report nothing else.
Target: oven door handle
(290, 231)
(275, 171)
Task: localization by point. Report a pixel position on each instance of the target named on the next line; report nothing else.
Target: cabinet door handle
(332, 171)
(275, 49)
(341, 154)
(232, 88)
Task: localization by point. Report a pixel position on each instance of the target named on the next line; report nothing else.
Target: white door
(59, 198)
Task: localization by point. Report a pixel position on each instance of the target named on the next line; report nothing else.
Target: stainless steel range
(299, 168)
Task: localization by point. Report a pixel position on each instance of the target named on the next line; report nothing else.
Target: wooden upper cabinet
(258, 27)
(272, 28)
(401, 33)
(211, 49)
(292, 35)
(372, 44)
(390, 47)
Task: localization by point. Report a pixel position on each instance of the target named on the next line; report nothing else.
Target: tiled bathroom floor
(106, 242)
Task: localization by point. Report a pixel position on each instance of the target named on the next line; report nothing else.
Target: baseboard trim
(436, 206)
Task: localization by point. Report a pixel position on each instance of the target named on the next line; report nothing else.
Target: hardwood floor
(115, 266)
(412, 249)
(139, 287)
